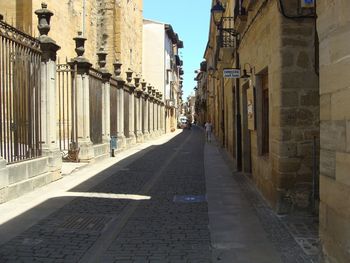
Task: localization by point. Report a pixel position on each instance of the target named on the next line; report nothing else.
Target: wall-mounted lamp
(217, 12)
(247, 75)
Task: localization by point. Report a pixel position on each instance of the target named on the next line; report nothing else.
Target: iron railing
(95, 89)
(67, 111)
(113, 107)
(227, 32)
(20, 95)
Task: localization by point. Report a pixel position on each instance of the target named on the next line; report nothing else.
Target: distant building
(162, 66)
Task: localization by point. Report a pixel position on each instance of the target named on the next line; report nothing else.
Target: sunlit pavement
(150, 206)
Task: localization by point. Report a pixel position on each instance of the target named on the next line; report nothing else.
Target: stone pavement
(149, 206)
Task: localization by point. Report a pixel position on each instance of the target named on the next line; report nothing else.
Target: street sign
(232, 73)
(307, 3)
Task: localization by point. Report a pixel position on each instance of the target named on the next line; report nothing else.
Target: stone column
(150, 111)
(145, 112)
(106, 93)
(158, 113)
(120, 105)
(154, 105)
(83, 95)
(162, 116)
(49, 50)
(138, 116)
(131, 138)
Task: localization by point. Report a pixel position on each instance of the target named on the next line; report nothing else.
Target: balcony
(227, 38)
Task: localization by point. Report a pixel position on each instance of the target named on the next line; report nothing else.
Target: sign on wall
(307, 3)
(232, 73)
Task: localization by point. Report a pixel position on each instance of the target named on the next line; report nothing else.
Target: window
(265, 114)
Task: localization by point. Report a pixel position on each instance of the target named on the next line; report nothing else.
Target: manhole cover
(31, 241)
(309, 245)
(190, 198)
(85, 223)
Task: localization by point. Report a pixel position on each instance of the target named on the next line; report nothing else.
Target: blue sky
(190, 19)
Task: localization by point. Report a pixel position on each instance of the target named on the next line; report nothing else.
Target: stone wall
(8, 10)
(128, 34)
(334, 34)
(115, 25)
(262, 57)
(285, 51)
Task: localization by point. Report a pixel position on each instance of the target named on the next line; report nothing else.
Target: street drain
(311, 246)
(189, 198)
(85, 223)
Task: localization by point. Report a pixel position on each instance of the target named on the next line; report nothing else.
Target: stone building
(115, 25)
(333, 27)
(162, 66)
(201, 95)
(268, 119)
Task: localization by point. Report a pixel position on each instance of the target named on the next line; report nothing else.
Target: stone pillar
(120, 105)
(150, 111)
(131, 138)
(154, 105)
(145, 111)
(158, 113)
(106, 93)
(4, 179)
(157, 116)
(162, 116)
(49, 50)
(138, 115)
(83, 107)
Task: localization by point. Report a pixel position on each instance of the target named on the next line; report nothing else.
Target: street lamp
(245, 75)
(217, 11)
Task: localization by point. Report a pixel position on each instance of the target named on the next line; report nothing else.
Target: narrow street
(153, 207)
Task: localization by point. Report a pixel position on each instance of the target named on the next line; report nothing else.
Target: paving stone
(159, 229)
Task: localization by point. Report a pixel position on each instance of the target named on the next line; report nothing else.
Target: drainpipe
(83, 29)
(238, 113)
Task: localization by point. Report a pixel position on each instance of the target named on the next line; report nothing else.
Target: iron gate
(20, 95)
(95, 100)
(67, 111)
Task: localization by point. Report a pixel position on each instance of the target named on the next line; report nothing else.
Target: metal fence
(20, 96)
(113, 107)
(67, 111)
(95, 90)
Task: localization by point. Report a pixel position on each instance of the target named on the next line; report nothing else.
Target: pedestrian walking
(208, 129)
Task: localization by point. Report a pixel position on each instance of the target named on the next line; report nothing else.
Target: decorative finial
(117, 68)
(80, 44)
(102, 55)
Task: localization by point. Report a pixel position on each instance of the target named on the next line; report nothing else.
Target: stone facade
(116, 25)
(275, 115)
(333, 26)
(288, 60)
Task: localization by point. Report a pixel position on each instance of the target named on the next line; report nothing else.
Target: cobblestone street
(153, 208)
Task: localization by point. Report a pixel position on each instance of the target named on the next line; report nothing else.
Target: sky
(190, 19)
